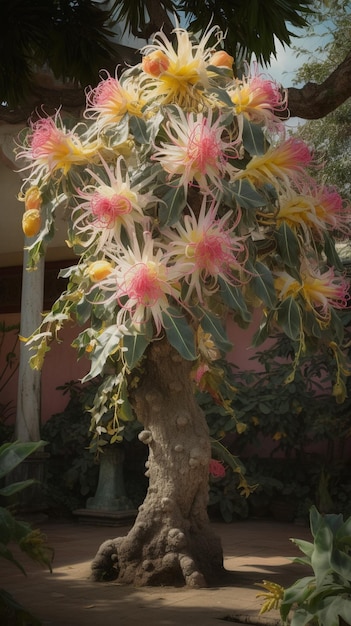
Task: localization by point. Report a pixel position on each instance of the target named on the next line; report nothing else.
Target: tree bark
(314, 101)
(171, 542)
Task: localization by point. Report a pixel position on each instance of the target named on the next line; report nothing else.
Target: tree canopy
(43, 59)
(331, 135)
(186, 205)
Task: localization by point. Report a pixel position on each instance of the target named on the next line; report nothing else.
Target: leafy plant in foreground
(323, 599)
(30, 541)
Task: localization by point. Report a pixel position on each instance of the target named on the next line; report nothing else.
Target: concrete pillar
(29, 389)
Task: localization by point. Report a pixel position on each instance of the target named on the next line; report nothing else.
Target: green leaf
(117, 134)
(289, 318)
(262, 334)
(171, 205)
(10, 490)
(139, 129)
(337, 325)
(288, 245)
(301, 617)
(305, 546)
(83, 311)
(328, 609)
(246, 195)
(108, 343)
(253, 139)
(136, 344)
(315, 520)
(331, 253)
(6, 553)
(263, 284)
(125, 411)
(213, 325)
(234, 298)
(179, 334)
(320, 559)
(297, 593)
(12, 454)
(222, 95)
(341, 563)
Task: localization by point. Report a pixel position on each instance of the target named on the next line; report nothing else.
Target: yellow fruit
(32, 198)
(31, 222)
(98, 270)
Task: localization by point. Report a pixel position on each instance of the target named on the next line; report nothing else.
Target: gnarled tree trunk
(171, 542)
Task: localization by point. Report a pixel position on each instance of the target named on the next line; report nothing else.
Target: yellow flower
(110, 100)
(279, 165)
(278, 436)
(240, 427)
(177, 75)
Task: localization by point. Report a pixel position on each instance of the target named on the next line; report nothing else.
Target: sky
(283, 68)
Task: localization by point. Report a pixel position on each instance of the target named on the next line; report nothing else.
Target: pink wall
(60, 366)
(242, 351)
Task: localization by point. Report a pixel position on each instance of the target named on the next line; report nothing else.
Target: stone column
(29, 391)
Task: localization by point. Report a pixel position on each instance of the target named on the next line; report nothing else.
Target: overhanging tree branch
(313, 101)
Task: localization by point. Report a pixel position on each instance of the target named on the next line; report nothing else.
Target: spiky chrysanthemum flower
(178, 75)
(206, 249)
(259, 99)
(143, 283)
(313, 210)
(280, 165)
(320, 290)
(111, 99)
(50, 147)
(109, 203)
(198, 150)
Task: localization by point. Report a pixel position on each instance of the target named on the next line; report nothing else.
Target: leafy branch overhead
(43, 59)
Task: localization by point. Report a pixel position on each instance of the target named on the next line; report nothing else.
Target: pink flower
(200, 372)
(332, 209)
(259, 99)
(143, 283)
(52, 147)
(314, 210)
(110, 203)
(320, 291)
(109, 101)
(197, 151)
(216, 469)
(207, 249)
(280, 164)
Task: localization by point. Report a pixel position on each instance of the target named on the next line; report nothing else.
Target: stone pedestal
(109, 505)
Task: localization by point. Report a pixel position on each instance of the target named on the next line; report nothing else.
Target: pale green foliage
(331, 135)
(325, 597)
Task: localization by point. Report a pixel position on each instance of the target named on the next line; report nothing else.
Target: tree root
(104, 567)
(175, 567)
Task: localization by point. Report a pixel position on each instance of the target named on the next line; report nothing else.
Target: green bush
(30, 541)
(324, 598)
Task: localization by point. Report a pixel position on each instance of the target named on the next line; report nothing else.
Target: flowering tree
(185, 204)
